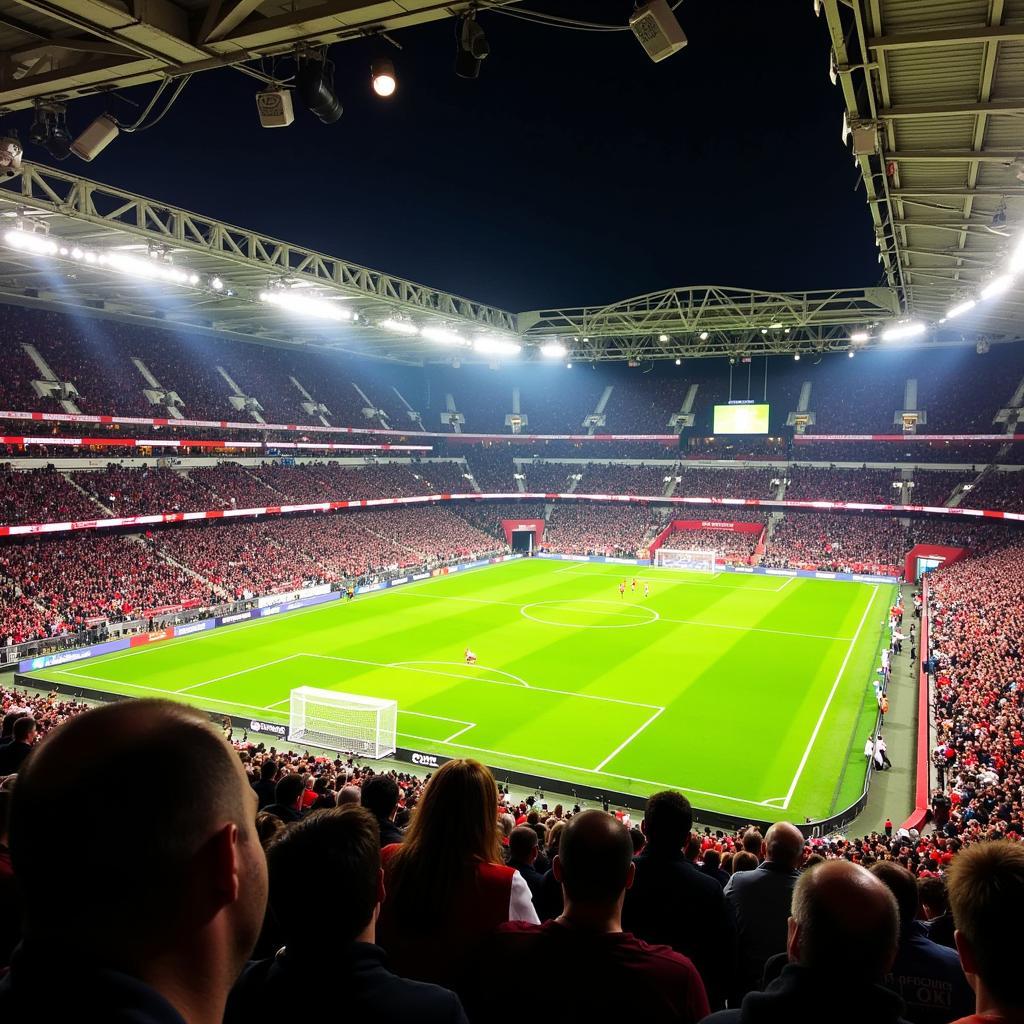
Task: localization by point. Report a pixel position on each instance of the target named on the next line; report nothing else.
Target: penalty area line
(629, 739)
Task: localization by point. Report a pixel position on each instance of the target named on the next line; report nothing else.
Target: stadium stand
(41, 496)
(598, 529)
(832, 542)
(872, 485)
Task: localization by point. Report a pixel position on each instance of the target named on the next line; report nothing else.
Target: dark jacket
(286, 814)
(929, 979)
(673, 904)
(265, 792)
(940, 929)
(760, 901)
(390, 833)
(13, 756)
(40, 990)
(533, 878)
(800, 995)
(352, 985)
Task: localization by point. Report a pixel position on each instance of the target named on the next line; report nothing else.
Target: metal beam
(1004, 107)
(947, 37)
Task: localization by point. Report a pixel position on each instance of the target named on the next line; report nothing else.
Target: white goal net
(343, 721)
(693, 559)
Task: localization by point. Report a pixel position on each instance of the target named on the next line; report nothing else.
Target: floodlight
(315, 84)
(216, 284)
(961, 308)
(399, 326)
(703, 335)
(30, 241)
(496, 347)
(553, 350)
(663, 338)
(997, 286)
(657, 29)
(568, 366)
(50, 130)
(850, 354)
(900, 332)
(305, 306)
(859, 337)
(382, 77)
(443, 336)
(679, 362)
(796, 356)
(473, 48)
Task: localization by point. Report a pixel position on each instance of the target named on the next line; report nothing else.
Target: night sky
(573, 171)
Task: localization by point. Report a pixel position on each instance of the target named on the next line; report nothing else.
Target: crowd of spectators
(132, 491)
(42, 496)
(999, 489)
(492, 468)
(620, 478)
(837, 542)
(808, 483)
(935, 486)
(593, 529)
(733, 546)
(704, 482)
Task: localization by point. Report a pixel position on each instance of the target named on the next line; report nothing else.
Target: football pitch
(752, 694)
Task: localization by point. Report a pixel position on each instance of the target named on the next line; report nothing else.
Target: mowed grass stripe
(739, 705)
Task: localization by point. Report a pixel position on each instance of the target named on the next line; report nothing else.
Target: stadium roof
(934, 93)
(102, 237)
(65, 48)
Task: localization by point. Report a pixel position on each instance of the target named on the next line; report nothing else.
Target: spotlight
(473, 48)
(850, 354)
(663, 338)
(10, 156)
(859, 337)
(963, 307)
(679, 362)
(553, 350)
(703, 335)
(315, 84)
(901, 332)
(568, 366)
(50, 130)
(796, 356)
(382, 76)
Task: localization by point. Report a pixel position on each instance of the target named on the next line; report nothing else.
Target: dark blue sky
(573, 170)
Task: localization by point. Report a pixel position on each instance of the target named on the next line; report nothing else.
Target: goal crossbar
(691, 559)
(350, 722)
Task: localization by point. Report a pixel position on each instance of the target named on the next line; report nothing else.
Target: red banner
(167, 442)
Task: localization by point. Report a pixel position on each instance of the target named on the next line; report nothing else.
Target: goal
(690, 559)
(343, 721)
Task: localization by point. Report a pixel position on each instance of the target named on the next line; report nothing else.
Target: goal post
(691, 559)
(343, 721)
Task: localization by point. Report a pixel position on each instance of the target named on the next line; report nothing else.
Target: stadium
(729, 578)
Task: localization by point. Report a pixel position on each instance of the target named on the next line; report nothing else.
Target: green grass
(746, 692)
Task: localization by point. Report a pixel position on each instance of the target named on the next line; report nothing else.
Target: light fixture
(100, 134)
(964, 307)
(850, 354)
(1017, 259)
(399, 326)
(553, 350)
(859, 337)
(49, 130)
(764, 330)
(31, 241)
(305, 305)
(11, 153)
(568, 366)
(217, 284)
(703, 335)
(496, 347)
(997, 286)
(314, 82)
(382, 76)
(796, 356)
(663, 338)
(472, 49)
(443, 336)
(679, 362)
(900, 332)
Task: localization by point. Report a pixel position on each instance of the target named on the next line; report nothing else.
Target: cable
(556, 21)
(139, 126)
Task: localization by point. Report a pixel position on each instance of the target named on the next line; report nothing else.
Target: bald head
(595, 858)
(844, 922)
(784, 844)
(136, 796)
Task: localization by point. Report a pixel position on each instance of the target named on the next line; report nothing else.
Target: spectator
(986, 891)
(288, 795)
(935, 909)
(636, 981)
(841, 941)
(349, 795)
(523, 849)
(10, 909)
(760, 900)
(23, 735)
(926, 976)
(712, 866)
(380, 796)
(174, 898)
(266, 787)
(446, 884)
(671, 903)
(330, 963)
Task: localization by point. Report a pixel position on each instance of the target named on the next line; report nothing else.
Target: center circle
(580, 614)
